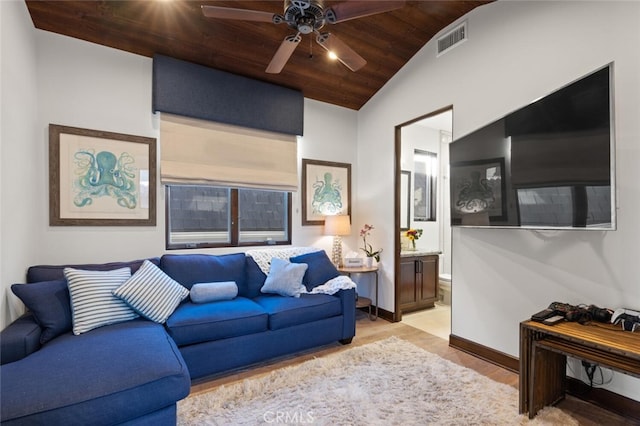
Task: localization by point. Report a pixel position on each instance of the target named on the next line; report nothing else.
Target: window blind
(201, 152)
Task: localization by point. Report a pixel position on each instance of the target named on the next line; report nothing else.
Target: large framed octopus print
(99, 178)
(326, 190)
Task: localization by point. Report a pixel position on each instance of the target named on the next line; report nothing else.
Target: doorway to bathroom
(423, 243)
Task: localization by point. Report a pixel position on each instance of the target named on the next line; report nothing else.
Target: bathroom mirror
(405, 200)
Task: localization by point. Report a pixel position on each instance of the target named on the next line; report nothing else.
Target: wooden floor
(370, 331)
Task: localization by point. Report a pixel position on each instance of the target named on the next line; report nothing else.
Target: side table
(362, 302)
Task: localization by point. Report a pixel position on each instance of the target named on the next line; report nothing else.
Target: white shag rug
(389, 382)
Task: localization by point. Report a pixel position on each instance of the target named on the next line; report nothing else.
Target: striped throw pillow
(152, 293)
(92, 301)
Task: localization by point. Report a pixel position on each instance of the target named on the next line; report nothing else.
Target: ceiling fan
(306, 17)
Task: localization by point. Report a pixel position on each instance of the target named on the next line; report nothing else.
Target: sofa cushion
(288, 311)
(108, 376)
(213, 292)
(189, 269)
(320, 269)
(152, 293)
(202, 322)
(92, 301)
(284, 278)
(50, 305)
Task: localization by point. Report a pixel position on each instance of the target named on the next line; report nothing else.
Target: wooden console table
(544, 350)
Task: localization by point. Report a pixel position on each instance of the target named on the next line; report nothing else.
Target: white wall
(22, 152)
(48, 78)
(517, 52)
(330, 134)
(94, 87)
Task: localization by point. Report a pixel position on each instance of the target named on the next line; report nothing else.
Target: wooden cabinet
(418, 282)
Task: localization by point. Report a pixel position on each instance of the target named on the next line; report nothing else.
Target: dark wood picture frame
(81, 193)
(323, 190)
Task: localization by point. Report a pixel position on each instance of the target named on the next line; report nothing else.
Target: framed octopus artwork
(99, 178)
(478, 192)
(326, 190)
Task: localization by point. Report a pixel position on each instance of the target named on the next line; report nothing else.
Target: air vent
(452, 38)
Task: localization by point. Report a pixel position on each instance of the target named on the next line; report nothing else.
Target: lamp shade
(337, 225)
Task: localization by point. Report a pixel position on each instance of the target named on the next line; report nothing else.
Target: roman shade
(201, 152)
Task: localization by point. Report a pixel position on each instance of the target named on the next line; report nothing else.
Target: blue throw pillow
(49, 302)
(285, 278)
(254, 279)
(320, 270)
(213, 292)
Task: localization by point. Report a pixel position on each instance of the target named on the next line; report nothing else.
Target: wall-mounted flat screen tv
(548, 165)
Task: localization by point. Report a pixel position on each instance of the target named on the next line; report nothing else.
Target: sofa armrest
(19, 339)
(348, 300)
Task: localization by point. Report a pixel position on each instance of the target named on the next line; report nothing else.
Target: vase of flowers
(413, 235)
(367, 248)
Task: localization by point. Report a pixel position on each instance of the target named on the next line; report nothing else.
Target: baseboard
(382, 313)
(493, 356)
(619, 404)
(603, 398)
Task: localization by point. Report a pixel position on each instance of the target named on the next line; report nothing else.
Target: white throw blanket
(341, 282)
(263, 259)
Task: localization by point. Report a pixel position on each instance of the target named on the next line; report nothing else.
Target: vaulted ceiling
(179, 29)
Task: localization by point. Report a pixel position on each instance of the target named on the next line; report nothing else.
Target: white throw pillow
(152, 293)
(92, 301)
(285, 278)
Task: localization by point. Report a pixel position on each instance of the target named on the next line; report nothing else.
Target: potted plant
(367, 248)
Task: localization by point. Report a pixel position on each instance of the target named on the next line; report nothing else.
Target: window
(209, 216)
(424, 186)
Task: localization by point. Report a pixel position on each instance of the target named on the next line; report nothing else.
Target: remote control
(543, 315)
(553, 320)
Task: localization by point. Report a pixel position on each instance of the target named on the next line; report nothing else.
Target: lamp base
(336, 253)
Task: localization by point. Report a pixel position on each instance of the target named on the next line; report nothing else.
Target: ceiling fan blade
(239, 14)
(283, 53)
(344, 53)
(357, 9)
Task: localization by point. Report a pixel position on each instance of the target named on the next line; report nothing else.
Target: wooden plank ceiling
(178, 29)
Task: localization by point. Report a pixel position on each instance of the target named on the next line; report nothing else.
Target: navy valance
(196, 91)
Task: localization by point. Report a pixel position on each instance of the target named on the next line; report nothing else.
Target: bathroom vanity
(418, 280)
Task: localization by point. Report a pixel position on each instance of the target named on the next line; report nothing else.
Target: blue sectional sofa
(135, 371)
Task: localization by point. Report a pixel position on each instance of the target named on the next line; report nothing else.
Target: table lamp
(337, 226)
